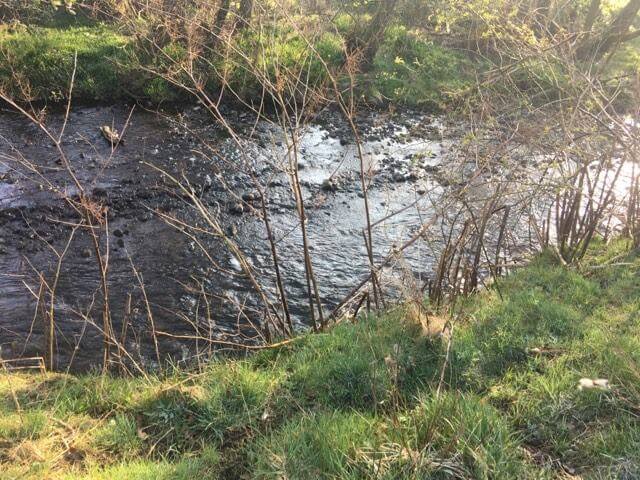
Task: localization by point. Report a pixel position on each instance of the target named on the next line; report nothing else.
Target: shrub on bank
(412, 70)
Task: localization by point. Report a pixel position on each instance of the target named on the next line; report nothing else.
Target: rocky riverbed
(192, 282)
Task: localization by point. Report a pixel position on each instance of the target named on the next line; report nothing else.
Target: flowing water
(187, 285)
(184, 286)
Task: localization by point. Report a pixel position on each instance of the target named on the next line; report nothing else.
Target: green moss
(271, 55)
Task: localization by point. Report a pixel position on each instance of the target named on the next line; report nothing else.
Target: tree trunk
(616, 33)
(592, 14)
(221, 17)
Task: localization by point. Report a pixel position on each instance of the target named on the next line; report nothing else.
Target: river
(190, 288)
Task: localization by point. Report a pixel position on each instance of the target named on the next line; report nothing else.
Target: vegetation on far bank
(426, 54)
(111, 66)
(361, 400)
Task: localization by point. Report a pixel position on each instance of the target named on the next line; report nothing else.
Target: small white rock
(585, 383)
(602, 383)
(235, 264)
(590, 384)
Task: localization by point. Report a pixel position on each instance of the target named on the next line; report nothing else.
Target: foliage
(411, 70)
(113, 65)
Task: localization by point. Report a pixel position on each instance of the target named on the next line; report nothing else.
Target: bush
(411, 70)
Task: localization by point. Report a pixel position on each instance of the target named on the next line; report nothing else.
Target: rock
(232, 230)
(118, 233)
(237, 208)
(208, 182)
(329, 185)
(235, 264)
(591, 384)
(99, 192)
(110, 134)
(120, 243)
(86, 253)
(249, 196)
(188, 301)
(444, 181)
(398, 177)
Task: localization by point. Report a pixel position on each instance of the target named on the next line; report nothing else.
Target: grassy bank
(38, 58)
(432, 55)
(39, 61)
(360, 401)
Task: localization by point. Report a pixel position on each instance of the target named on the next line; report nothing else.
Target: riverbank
(361, 400)
(114, 66)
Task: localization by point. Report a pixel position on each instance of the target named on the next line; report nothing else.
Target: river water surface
(192, 283)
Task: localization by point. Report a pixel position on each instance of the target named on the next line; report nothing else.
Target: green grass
(42, 60)
(411, 70)
(36, 63)
(360, 402)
